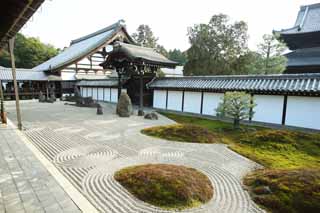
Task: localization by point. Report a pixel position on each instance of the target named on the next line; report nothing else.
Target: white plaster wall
(106, 94)
(211, 102)
(269, 108)
(81, 91)
(89, 90)
(192, 102)
(100, 94)
(175, 100)
(303, 112)
(159, 99)
(95, 95)
(114, 95)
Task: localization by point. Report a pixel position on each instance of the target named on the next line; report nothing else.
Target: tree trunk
(236, 123)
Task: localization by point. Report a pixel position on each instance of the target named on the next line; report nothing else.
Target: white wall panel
(106, 94)
(100, 94)
(114, 95)
(211, 102)
(94, 93)
(84, 91)
(175, 100)
(192, 102)
(269, 108)
(303, 112)
(81, 92)
(89, 92)
(159, 99)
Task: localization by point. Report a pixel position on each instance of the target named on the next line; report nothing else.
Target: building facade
(303, 41)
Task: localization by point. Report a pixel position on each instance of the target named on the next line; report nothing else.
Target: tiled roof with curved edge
(82, 47)
(140, 54)
(282, 83)
(26, 75)
(308, 20)
(304, 57)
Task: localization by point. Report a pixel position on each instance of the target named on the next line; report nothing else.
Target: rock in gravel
(99, 110)
(124, 106)
(151, 116)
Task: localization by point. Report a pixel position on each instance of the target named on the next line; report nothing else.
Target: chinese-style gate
(129, 60)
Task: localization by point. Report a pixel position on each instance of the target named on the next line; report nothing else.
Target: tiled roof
(99, 83)
(304, 57)
(300, 83)
(80, 48)
(26, 75)
(138, 54)
(307, 20)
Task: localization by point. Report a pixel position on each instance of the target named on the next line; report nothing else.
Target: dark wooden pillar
(284, 110)
(119, 84)
(140, 112)
(2, 104)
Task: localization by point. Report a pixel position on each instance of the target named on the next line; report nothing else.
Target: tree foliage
(237, 106)
(29, 52)
(145, 37)
(217, 48)
(271, 55)
(178, 56)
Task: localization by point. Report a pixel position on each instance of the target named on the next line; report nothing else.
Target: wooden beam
(140, 112)
(2, 114)
(284, 111)
(16, 92)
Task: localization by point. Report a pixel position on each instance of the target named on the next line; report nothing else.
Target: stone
(86, 102)
(76, 92)
(140, 112)
(42, 97)
(52, 98)
(124, 106)
(99, 110)
(151, 116)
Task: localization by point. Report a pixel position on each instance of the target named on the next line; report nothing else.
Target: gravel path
(88, 149)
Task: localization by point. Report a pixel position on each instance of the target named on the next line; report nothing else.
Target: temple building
(303, 40)
(81, 60)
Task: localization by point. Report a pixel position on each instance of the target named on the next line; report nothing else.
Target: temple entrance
(141, 64)
(133, 89)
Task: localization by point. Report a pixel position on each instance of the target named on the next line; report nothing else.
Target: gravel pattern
(88, 149)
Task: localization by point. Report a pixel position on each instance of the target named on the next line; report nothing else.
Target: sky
(59, 21)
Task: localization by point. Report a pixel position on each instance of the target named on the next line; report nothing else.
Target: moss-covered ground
(166, 186)
(290, 181)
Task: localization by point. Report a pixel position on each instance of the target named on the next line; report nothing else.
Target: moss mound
(166, 186)
(183, 132)
(279, 136)
(286, 191)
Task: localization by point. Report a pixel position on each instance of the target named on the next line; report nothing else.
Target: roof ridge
(118, 24)
(310, 6)
(135, 45)
(245, 76)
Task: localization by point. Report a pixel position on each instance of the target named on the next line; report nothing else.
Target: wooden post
(16, 92)
(284, 110)
(140, 112)
(2, 116)
(119, 84)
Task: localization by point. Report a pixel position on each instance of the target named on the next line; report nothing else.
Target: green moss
(183, 132)
(269, 147)
(291, 158)
(166, 186)
(290, 191)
